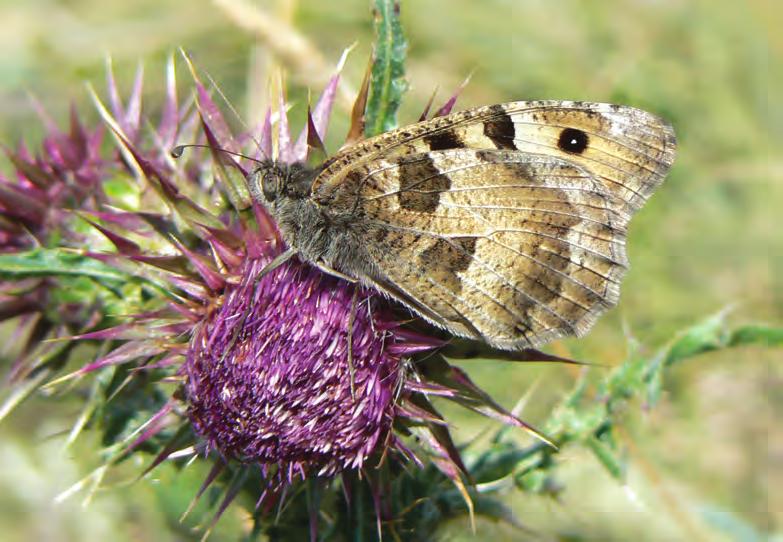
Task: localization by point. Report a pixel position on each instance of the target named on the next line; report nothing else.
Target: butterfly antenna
(177, 151)
(233, 110)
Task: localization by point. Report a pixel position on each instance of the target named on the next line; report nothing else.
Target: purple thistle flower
(54, 191)
(66, 174)
(298, 372)
(274, 378)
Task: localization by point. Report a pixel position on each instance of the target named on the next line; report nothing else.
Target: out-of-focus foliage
(704, 463)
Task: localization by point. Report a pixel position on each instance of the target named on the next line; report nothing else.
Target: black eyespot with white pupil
(573, 141)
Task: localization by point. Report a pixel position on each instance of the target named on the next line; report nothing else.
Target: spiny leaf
(708, 335)
(711, 334)
(53, 262)
(387, 84)
(42, 262)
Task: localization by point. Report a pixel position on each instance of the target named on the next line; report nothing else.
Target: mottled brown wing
(626, 149)
(504, 223)
(508, 247)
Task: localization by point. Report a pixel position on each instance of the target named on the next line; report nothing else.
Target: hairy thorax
(321, 237)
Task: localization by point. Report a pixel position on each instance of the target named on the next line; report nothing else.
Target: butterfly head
(272, 179)
(269, 179)
(266, 182)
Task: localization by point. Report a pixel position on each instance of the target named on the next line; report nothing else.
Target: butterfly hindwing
(504, 246)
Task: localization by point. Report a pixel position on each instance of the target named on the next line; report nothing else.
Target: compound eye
(264, 183)
(269, 185)
(254, 185)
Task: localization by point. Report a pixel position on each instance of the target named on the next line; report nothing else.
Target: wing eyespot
(573, 141)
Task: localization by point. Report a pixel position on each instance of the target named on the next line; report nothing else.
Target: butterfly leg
(351, 320)
(276, 262)
(334, 272)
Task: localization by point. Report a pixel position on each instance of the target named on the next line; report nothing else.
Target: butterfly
(505, 223)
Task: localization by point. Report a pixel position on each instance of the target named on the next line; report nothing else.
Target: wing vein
(506, 281)
(533, 233)
(531, 209)
(476, 309)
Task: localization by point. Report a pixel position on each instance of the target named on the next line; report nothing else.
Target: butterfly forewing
(504, 223)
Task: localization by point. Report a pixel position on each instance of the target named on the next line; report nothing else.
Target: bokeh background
(706, 463)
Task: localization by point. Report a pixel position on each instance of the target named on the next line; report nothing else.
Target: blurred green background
(707, 463)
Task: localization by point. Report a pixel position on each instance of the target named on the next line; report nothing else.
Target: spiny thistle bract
(297, 372)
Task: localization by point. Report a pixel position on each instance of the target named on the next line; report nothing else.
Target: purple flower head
(307, 374)
(293, 369)
(54, 192)
(66, 174)
(273, 376)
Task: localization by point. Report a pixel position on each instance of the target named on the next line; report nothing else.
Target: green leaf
(498, 462)
(710, 334)
(755, 334)
(706, 336)
(387, 80)
(53, 262)
(608, 457)
(626, 380)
